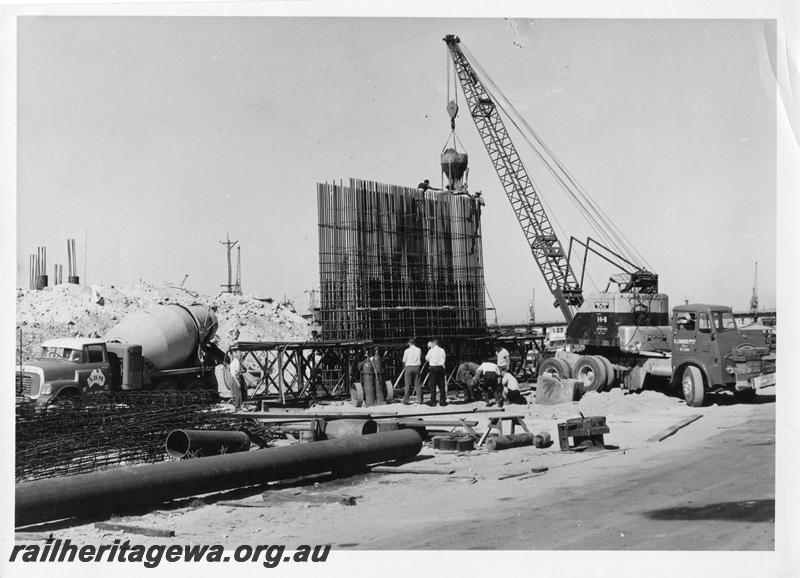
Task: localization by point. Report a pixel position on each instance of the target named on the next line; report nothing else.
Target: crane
(548, 252)
(608, 325)
(544, 244)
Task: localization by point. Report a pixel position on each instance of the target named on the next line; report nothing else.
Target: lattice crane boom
(547, 250)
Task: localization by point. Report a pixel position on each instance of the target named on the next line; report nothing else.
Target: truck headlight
(730, 370)
(46, 389)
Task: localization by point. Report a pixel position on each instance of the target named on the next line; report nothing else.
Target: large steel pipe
(341, 428)
(200, 442)
(90, 495)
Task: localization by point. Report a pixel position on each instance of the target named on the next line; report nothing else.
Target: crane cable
(597, 219)
(553, 217)
(596, 226)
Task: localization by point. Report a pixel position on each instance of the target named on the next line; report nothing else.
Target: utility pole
(754, 297)
(238, 270)
(229, 245)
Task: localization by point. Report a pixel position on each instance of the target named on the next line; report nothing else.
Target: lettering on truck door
(95, 374)
(685, 340)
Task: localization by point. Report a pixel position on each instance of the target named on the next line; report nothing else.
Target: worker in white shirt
(503, 358)
(411, 362)
(238, 386)
(436, 358)
(510, 387)
(489, 374)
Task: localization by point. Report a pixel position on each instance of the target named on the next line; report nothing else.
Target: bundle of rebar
(397, 262)
(100, 431)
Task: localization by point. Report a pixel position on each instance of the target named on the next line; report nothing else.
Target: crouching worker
(488, 373)
(510, 387)
(465, 378)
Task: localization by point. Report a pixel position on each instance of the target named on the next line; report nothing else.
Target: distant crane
(754, 297)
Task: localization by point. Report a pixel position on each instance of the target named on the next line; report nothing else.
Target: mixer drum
(169, 335)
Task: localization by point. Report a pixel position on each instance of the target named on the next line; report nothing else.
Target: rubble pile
(81, 311)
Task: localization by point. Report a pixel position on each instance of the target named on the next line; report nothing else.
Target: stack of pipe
(95, 494)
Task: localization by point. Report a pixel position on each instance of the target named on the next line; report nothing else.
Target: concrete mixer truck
(163, 348)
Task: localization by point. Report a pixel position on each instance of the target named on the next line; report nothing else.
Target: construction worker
(503, 358)
(465, 377)
(436, 358)
(426, 186)
(488, 373)
(411, 361)
(380, 386)
(510, 387)
(238, 386)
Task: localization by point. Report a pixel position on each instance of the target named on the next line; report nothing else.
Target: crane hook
(452, 110)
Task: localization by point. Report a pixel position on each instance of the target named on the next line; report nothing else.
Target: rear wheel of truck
(590, 371)
(197, 385)
(168, 386)
(610, 375)
(692, 386)
(557, 368)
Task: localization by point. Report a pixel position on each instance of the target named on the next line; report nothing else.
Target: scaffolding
(397, 262)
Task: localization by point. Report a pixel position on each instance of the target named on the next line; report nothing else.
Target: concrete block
(552, 391)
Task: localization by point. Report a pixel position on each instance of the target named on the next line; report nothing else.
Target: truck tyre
(168, 385)
(357, 394)
(610, 376)
(591, 373)
(65, 400)
(692, 386)
(197, 385)
(557, 368)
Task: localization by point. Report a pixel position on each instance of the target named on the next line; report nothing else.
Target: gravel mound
(81, 311)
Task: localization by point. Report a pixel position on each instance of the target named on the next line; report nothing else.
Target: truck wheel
(692, 385)
(65, 400)
(168, 386)
(610, 376)
(557, 368)
(591, 373)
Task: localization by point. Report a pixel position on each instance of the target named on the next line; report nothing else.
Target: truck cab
(710, 353)
(67, 367)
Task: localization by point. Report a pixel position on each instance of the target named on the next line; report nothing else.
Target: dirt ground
(424, 509)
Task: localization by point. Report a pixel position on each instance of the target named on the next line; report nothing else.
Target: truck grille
(27, 384)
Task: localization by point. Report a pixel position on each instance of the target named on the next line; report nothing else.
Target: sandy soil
(420, 507)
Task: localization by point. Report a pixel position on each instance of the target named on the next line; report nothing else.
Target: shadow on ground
(745, 511)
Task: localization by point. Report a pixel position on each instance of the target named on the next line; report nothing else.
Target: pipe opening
(178, 444)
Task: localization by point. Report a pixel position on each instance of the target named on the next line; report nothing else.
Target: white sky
(158, 135)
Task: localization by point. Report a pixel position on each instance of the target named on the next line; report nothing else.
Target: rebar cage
(397, 262)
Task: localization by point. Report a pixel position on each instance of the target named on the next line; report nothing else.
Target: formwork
(397, 262)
